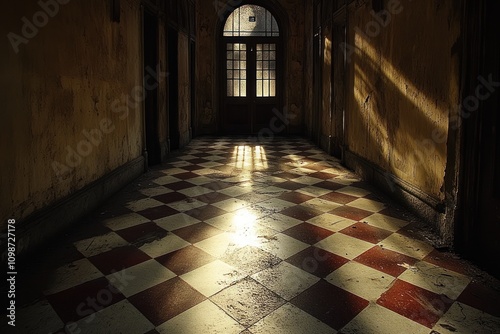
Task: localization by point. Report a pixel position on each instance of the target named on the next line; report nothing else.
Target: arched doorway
(251, 65)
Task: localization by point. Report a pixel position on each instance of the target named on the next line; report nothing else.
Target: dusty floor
(233, 236)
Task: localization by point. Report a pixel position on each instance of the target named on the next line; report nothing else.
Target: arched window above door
(251, 21)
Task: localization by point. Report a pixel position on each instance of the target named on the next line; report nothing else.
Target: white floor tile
(235, 191)
(156, 191)
(176, 221)
(212, 278)
(285, 280)
(231, 204)
(331, 222)
(313, 191)
(462, 318)
(165, 180)
(140, 277)
(125, 221)
(71, 275)
(353, 191)
(217, 245)
(186, 205)
(278, 222)
(436, 279)
(321, 204)
(344, 245)
(100, 244)
(283, 246)
(361, 280)
(36, 318)
(408, 246)
(307, 180)
(376, 319)
(367, 205)
(203, 318)
(291, 320)
(143, 204)
(121, 317)
(166, 245)
(385, 222)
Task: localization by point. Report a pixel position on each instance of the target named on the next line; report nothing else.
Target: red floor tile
(140, 234)
(301, 212)
(393, 212)
(186, 176)
(166, 300)
(287, 175)
(295, 197)
(482, 297)
(85, 299)
(447, 260)
(290, 185)
(118, 259)
(385, 260)
(316, 167)
(179, 185)
(415, 303)
(317, 261)
(170, 197)
(197, 232)
(205, 212)
(322, 175)
(158, 212)
(338, 197)
(192, 168)
(212, 197)
(217, 185)
(366, 232)
(185, 259)
(197, 161)
(201, 155)
(330, 185)
(330, 304)
(308, 233)
(351, 213)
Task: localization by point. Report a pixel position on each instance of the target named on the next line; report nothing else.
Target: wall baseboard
(45, 224)
(421, 204)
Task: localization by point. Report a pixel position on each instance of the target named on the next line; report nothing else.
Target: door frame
(274, 7)
(251, 80)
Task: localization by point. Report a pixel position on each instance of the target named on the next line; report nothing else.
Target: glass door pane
(265, 70)
(236, 68)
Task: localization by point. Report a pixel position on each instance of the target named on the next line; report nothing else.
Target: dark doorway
(251, 72)
(479, 230)
(173, 89)
(317, 77)
(192, 81)
(151, 97)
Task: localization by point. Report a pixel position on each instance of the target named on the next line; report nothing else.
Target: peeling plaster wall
(69, 78)
(296, 83)
(403, 83)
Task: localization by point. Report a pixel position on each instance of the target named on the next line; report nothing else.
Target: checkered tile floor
(233, 236)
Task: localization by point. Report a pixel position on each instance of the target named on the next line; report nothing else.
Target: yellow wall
(403, 83)
(69, 78)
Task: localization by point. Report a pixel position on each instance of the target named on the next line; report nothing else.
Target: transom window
(251, 20)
